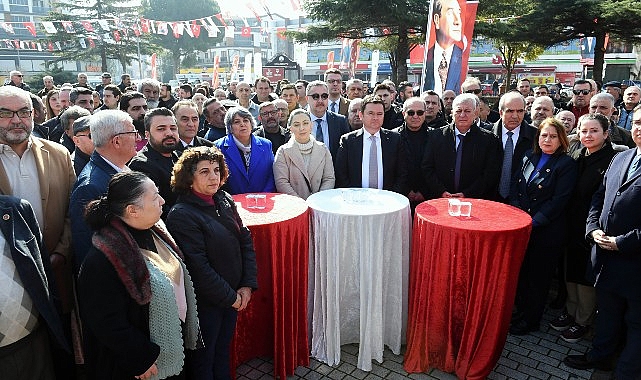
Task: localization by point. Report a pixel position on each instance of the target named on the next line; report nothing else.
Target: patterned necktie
(319, 130)
(457, 166)
(373, 163)
(633, 167)
(442, 72)
(333, 107)
(506, 171)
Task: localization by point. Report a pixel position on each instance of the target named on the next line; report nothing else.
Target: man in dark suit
(443, 63)
(27, 297)
(187, 120)
(371, 156)
(614, 224)
(336, 103)
(158, 156)
(511, 126)
(327, 126)
(114, 137)
(462, 159)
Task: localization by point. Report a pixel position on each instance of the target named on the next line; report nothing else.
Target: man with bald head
(462, 159)
(516, 136)
(567, 119)
(448, 97)
(542, 108)
(603, 103)
(631, 98)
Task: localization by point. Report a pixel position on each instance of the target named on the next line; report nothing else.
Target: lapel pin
(5, 217)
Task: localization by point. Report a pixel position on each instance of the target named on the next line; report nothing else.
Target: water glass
(251, 201)
(454, 207)
(261, 201)
(466, 209)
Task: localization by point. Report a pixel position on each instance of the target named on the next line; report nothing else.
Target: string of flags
(115, 29)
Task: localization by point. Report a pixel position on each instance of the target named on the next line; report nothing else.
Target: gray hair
(238, 111)
(73, 112)
(465, 98)
(603, 96)
(148, 82)
(510, 96)
(414, 99)
(105, 124)
(315, 83)
(470, 81)
(352, 81)
(10, 91)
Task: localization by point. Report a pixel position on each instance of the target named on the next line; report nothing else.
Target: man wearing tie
(327, 126)
(337, 103)
(516, 136)
(462, 159)
(614, 225)
(372, 157)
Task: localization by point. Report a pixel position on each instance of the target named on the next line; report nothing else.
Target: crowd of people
(139, 261)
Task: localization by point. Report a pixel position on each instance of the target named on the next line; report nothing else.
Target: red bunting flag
(195, 29)
(31, 27)
(144, 25)
(92, 43)
(117, 36)
(68, 26)
(280, 32)
(87, 25)
(246, 31)
(220, 18)
(50, 46)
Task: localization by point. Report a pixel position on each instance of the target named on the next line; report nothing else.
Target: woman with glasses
(249, 157)
(303, 166)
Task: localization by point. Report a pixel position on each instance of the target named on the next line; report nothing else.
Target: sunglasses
(475, 91)
(412, 113)
(317, 96)
(578, 92)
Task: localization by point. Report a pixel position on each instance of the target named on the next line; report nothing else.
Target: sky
(285, 8)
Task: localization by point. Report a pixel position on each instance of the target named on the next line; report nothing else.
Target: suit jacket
(260, 177)
(198, 141)
(349, 159)
(337, 127)
(343, 106)
(480, 165)
(527, 134)
(56, 176)
(92, 183)
(158, 168)
(277, 139)
(453, 73)
(22, 235)
(293, 178)
(615, 210)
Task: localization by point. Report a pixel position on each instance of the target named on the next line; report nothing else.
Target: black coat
(414, 143)
(591, 169)
(219, 251)
(158, 168)
(480, 167)
(525, 142)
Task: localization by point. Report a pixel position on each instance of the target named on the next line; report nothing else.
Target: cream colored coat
(290, 173)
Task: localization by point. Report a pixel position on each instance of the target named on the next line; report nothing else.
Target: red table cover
(275, 322)
(463, 277)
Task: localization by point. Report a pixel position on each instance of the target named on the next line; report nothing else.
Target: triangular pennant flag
(68, 26)
(83, 43)
(177, 28)
(104, 25)
(162, 28)
(50, 46)
(117, 36)
(152, 27)
(32, 45)
(144, 25)
(16, 43)
(220, 18)
(107, 38)
(87, 25)
(136, 29)
(49, 27)
(7, 27)
(39, 46)
(212, 28)
(245, 22)
(31, 27)
(58, 45)
(187, 28)
(229, 32)
(92, 43)
(195, 29)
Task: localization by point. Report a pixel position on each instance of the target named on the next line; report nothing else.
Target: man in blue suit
(327, 126)
(614, 224)
(443, 63)
(114, 137)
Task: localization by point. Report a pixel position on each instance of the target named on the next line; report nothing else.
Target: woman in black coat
(542, 188)
(219, 253)
(593, 160)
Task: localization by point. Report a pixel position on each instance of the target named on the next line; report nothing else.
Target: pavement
(538, 355)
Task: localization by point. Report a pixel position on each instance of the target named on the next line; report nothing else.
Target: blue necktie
(634, 166)
(319, 130)
(333, 107)
(506, 171)
(457, 167)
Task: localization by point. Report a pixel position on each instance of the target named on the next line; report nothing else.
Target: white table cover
(359, 261)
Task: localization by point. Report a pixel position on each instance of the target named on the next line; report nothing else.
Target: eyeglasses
(412, 113)
(8, 114)
(126, 133)
(476, 91)
(18, 75)
(317, 96)
(270, 113)
(577, 92)
(87, 135)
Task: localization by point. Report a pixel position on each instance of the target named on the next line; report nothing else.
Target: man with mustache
(158, 156)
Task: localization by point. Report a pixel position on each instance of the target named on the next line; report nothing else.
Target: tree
(553, 21)
(176, 10)
(499, 22)
(399, 19)
(59, 76)
(106, 47)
